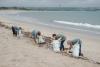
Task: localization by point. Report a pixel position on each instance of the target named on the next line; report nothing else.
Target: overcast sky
(51, 3)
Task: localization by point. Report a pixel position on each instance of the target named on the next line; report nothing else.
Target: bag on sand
(40, 40)
(75, 51)
(56, 46)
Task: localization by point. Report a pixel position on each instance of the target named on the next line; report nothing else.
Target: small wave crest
(79, 24)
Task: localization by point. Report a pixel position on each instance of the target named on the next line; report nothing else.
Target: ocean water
(88, 21)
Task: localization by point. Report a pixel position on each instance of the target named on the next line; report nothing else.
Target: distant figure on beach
(75, 46)
(34, 34)
(37, 36)
(17, 31)
(56, 44)
(62, 39)
(14, 31)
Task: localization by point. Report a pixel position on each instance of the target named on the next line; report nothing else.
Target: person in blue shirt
(34, 34)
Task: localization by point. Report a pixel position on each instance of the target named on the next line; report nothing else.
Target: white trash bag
(75, 50)
(56, 45)
(40, 39)
(19, 34)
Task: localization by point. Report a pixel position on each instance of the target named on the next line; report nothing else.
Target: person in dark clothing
(73, 42)
(14, 31)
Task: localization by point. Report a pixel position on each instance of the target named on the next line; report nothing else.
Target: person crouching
(75, 47)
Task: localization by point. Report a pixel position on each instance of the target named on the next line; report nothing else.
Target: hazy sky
(43, 3)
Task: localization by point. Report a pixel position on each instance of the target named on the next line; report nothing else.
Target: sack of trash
(75, 50)
(41, 40)
(56, 46)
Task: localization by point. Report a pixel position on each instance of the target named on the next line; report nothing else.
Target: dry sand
(23, 52)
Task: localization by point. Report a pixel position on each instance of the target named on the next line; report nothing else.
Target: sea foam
(78, 24)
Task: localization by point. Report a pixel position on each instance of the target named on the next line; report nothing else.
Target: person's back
(75, 45)
(74, 41)
(63, 38)
(34, 33)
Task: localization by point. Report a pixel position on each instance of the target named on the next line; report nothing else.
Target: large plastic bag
(56, 45)
(40, 39)
(75, 50)
(20, 33)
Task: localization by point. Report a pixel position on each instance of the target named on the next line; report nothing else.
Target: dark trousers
(62, 45)
(14, 31)
(80, 48)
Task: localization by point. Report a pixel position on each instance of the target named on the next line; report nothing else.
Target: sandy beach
(23, 52)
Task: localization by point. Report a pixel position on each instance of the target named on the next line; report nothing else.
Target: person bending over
(74, 42)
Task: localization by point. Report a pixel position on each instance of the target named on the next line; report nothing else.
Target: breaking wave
(79, 24)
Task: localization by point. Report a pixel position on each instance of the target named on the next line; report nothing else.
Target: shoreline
(31, 20)
(90, 44)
